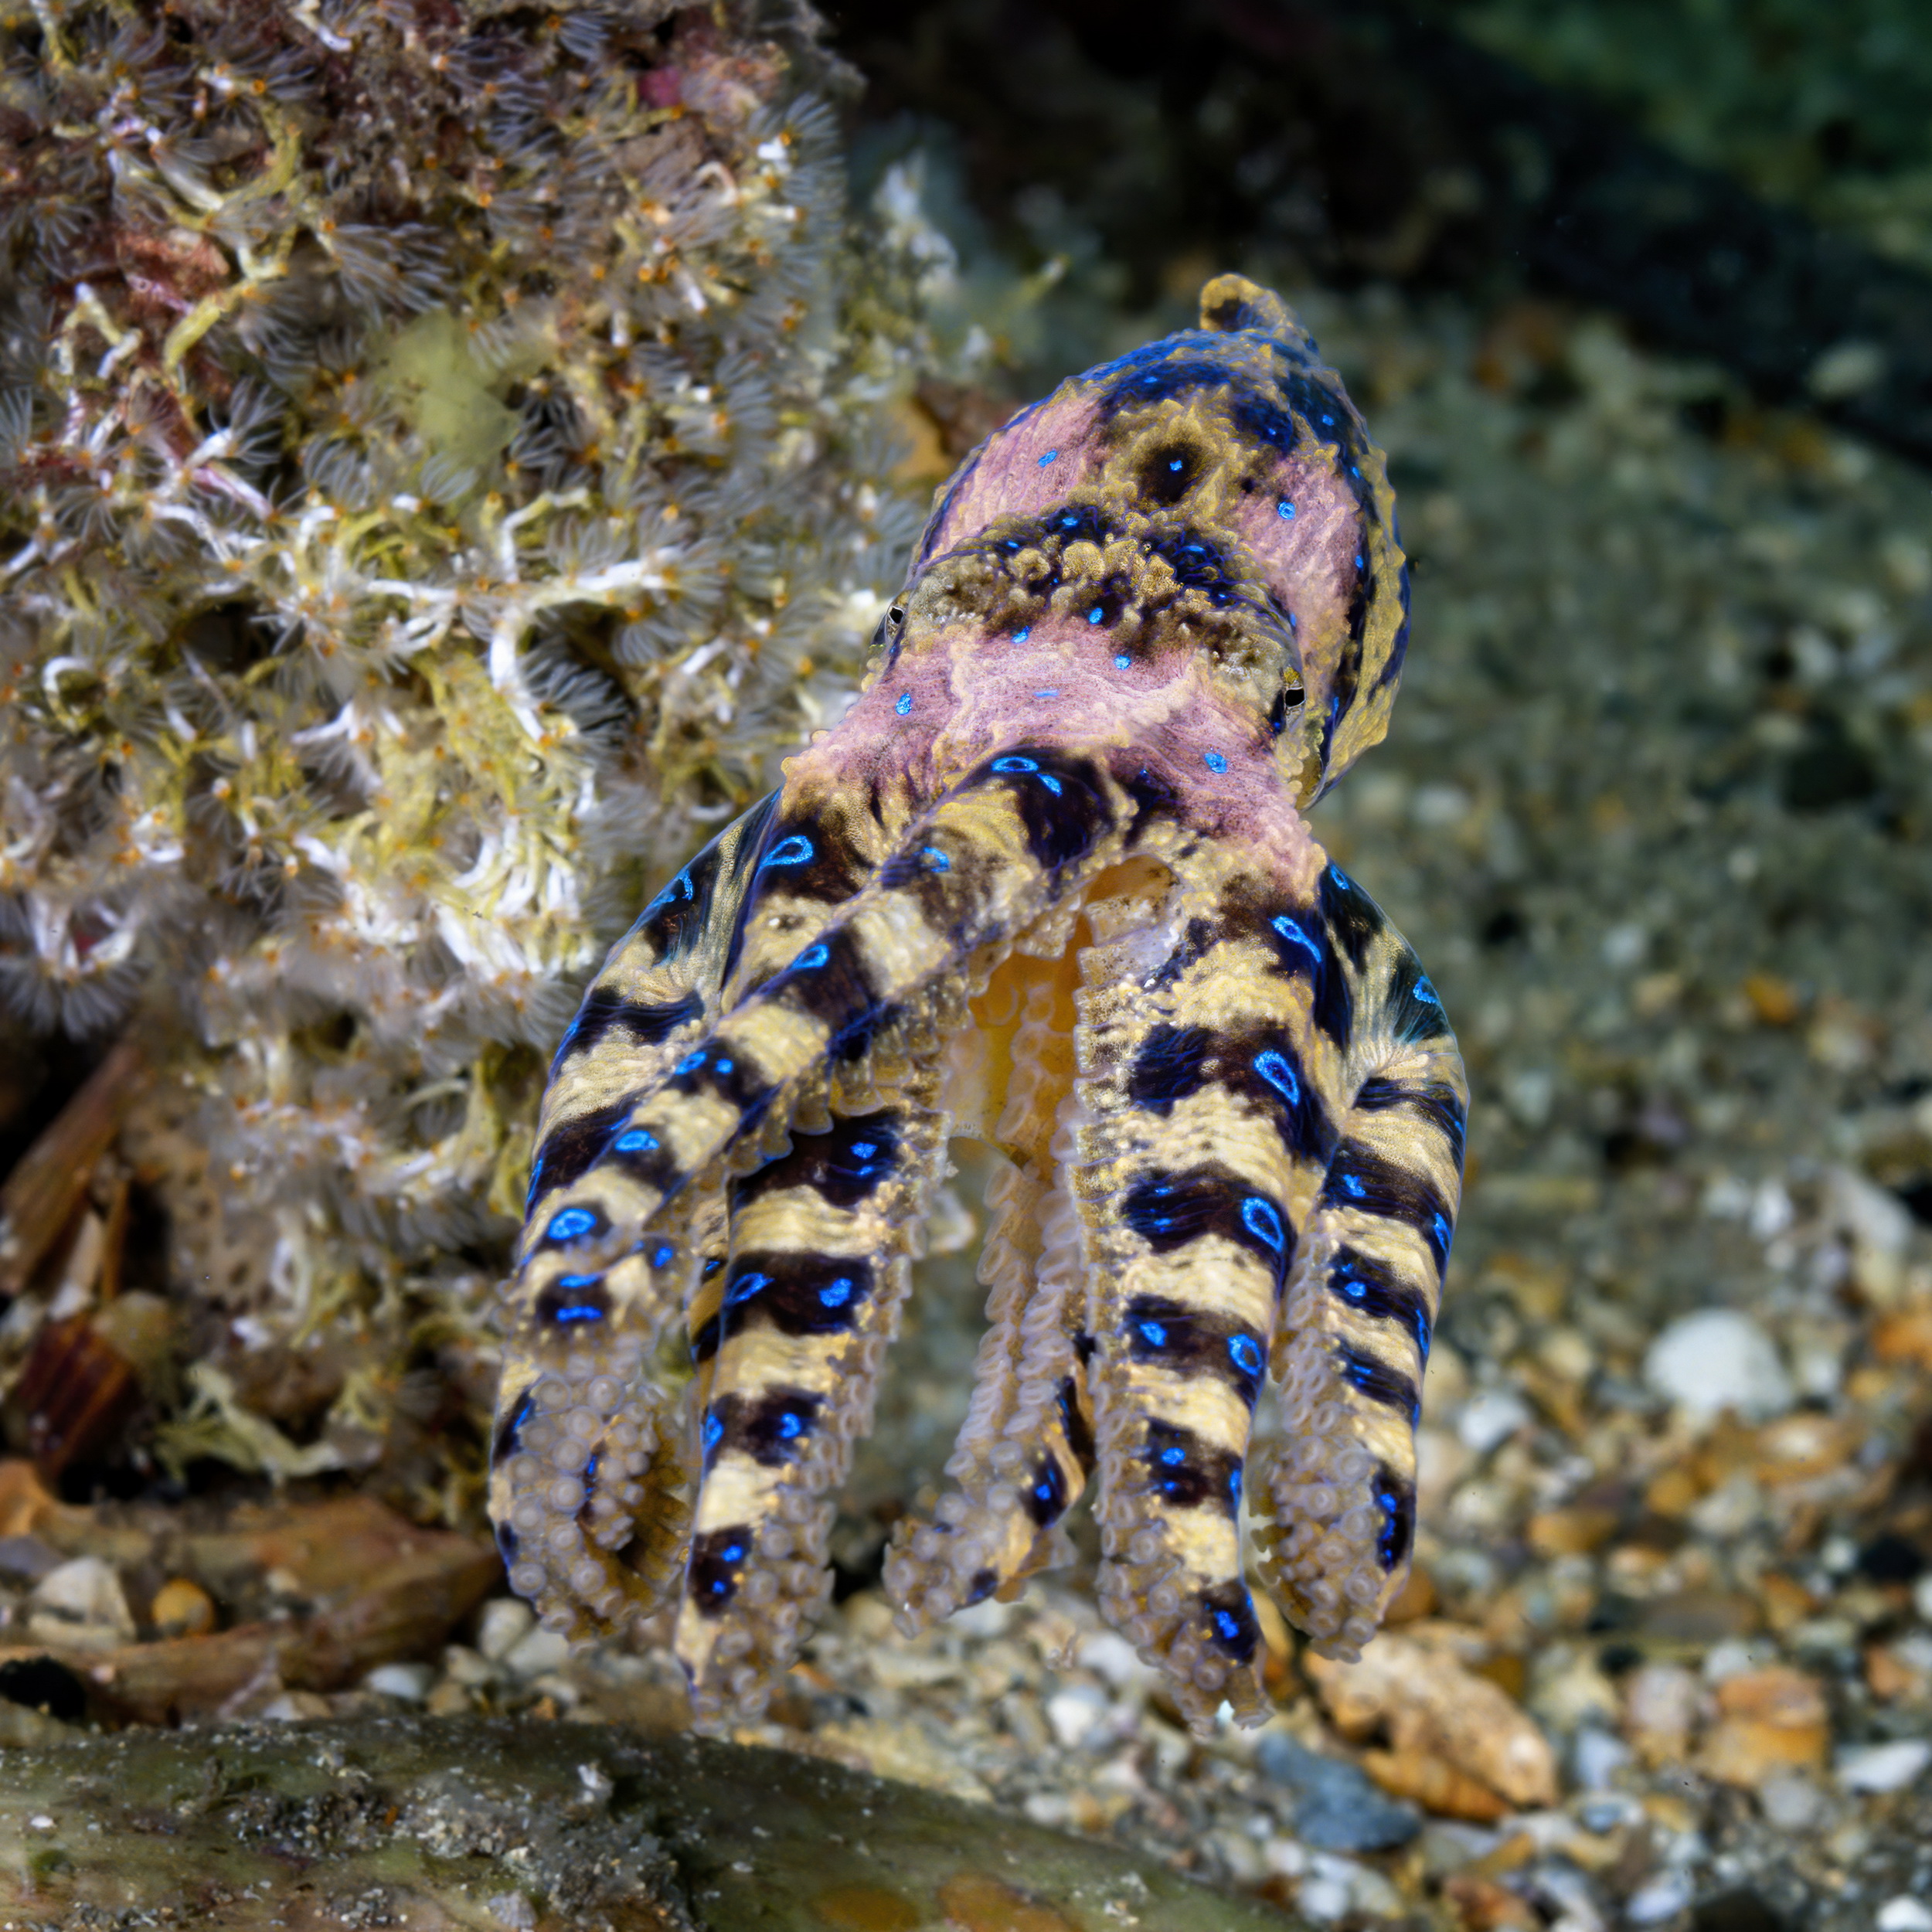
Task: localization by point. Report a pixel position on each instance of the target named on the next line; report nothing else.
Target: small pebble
(537, 1653)
(182, 1608)
(1337, 1807)
(1903, 1913)
(1884, 1767)
(505, 1622)
(1717, 1360)
(408, 1682)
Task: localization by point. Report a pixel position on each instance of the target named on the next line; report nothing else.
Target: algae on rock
(435, 446)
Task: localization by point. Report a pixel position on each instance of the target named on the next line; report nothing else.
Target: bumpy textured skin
(1047, 884)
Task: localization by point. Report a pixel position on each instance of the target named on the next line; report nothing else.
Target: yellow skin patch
(1047, 885)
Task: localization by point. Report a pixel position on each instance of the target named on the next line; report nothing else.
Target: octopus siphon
(1047, 884)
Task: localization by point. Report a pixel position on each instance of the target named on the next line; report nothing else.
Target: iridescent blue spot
(865, 1149)
(1360, 560)
(1098, 612)
(1069, 522)
(1123, 662)
(812, 957)
(1153, 1333)
(745, 1287)
(1214, 761)
(1234, 1488)
(905, 703)
(735, 1554)
(1343, 882)
(836, 1295)
(790, 1426)
(1050, 692)
(1173, 1458)
(1285, 510)
(1245, 1352)
(1048, 457)
(1328, 422)
(794, 851)
(723, 1067)
(1258, 1216)
(1274, 1069)
(661, 1255)
(713, 1433)
(1353, 1185)
(1014, 763)
(1052, 784)
(690, 1064)
(578, 1280)
(571, 1225)
(1044, 1490)
(1426, 993)
(1295, 936)
(936, 860)
(1228, 1624)
(1022, 634)
(1444, 1232)
(1178, 463)
(580, 1314)
(636, 1141)
(1356, 1291)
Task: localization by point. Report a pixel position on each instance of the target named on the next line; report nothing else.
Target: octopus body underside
(1047, 886)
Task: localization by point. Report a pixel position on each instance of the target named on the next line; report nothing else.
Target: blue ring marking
(578, 1315)
(1214, 761)
(1274, 1069)
(1259, 1217)
(637, 1141)
(1053, 690)
(1173, 1458)
(905, 703)
(1228, 1624)
(723, 1067)
(1047, 458)
(1293, 932)
(1245, 1352)
(745, 1287)
(713, 1433)
(865, 1149)
(794, 851)
(689, 1064)
(1423, 990)
(789, 1425)
(1022, 634)
(1052, 784)
(940, 862)
(1354, 1186)
(578, 1280)
(1098, 612)
(811, 957)
(1285, 510)
(572, 1224)
(1179, 462)
(1361, 562)
(1342, 881)
(1234, 1488)
(1069, 523)
(1153, 1333)
(1123, 662)
(661, 1255)
(682, 882)
(1013, 762)
(837, 1293)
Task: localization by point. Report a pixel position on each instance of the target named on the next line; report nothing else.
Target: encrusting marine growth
(437, 467)
(1046, 885)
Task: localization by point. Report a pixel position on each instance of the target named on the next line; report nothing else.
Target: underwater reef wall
(433, 447)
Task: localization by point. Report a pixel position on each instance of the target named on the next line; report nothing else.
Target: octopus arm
(1337, 1500)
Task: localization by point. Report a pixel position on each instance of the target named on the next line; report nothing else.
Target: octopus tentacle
(1337, 1496)
(821, 1246)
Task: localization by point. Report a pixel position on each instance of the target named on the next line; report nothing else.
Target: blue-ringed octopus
(1047, 884)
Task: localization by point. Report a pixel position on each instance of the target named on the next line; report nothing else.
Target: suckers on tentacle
(1047, 884)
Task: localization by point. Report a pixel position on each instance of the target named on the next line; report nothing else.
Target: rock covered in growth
(431, 476)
